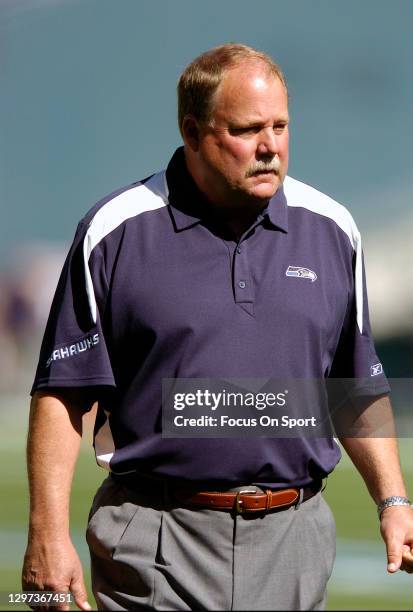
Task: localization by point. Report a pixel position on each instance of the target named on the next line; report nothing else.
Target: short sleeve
(74, 349)
(356, 363)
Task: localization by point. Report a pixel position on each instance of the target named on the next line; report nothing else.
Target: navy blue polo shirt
(153, 287)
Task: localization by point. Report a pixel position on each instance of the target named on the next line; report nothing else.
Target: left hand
(396, 527)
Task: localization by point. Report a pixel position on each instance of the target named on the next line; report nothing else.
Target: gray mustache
(262, 166)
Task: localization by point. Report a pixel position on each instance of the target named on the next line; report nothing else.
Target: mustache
(264, 166)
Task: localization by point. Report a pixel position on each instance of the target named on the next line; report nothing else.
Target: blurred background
(88, 104)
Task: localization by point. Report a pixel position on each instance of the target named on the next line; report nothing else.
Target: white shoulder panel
(130, 203)
(301, 195)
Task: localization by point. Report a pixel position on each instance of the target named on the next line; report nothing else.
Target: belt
(246, 500)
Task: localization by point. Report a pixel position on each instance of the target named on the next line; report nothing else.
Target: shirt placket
(243, 286)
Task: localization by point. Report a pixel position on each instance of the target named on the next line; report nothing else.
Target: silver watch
(394, 500)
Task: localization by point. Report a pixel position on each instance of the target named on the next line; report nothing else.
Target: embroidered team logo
(376, 369)
(300, 272)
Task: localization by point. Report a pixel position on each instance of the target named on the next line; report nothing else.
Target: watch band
(394, 500)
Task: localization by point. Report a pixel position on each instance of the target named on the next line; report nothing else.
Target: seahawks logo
(300, 272)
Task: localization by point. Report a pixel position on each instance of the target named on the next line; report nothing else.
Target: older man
(220, 267)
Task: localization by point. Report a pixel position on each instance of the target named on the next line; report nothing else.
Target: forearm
(377, 458)
(55, 432)
(377, 461)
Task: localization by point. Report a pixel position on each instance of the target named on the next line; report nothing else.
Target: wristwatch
(394, 500)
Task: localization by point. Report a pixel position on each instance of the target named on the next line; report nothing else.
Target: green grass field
(359, 581)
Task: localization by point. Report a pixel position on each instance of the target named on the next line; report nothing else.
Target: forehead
(250, 92)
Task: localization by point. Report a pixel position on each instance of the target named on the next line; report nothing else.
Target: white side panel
(104, 444)
(303, 196)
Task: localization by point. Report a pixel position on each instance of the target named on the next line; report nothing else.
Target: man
(222, 267)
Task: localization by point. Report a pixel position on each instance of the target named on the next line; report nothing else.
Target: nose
(267, 143)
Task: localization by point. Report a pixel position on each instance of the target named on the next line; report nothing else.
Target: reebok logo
(376, 369)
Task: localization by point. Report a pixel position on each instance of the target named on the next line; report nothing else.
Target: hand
(396, 526)
(53, 565)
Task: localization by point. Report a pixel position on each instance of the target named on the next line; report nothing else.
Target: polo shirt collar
(187, 203)
(189, 206)
(277, 210)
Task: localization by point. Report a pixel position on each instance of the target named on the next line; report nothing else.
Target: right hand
(54, 565)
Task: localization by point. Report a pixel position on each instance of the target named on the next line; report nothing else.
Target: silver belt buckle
(238, 502)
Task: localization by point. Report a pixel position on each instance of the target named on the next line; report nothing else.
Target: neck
(238, 221)
(236, 211)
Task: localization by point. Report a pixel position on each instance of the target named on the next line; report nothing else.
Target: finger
(407, 559)
(407, 567)
(65, 605)
(59, 601)
(394, 549)
(407, 552)
(80, 594)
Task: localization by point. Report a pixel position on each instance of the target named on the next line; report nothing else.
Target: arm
(55, 430)
(377, 460)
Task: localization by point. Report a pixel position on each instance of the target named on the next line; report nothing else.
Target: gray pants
(148, 554)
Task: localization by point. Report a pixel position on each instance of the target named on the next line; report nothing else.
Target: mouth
(265, 173)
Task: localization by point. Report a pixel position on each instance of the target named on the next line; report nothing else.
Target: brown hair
(201, 78)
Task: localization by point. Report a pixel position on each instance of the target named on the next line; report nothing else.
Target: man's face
(244, 152)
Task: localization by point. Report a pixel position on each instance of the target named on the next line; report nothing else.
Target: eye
(245, 131)
(279, 128)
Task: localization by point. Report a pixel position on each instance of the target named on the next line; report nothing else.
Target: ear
(191, 132)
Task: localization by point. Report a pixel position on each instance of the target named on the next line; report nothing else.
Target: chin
(265, 191)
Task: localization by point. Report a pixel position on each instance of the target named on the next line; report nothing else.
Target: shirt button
(242, 284)
(238, 250)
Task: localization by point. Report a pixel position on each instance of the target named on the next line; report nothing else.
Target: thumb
(394, 554)
(80, 594)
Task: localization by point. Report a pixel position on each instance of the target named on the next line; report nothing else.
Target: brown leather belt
(244, 501)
